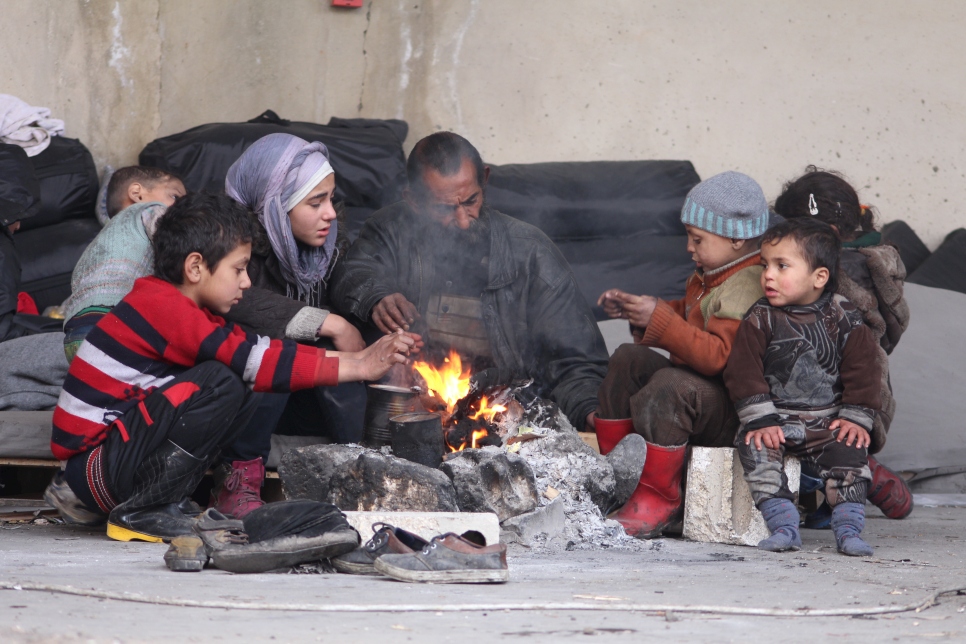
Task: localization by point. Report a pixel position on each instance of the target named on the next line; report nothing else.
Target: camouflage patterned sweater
(818, 359)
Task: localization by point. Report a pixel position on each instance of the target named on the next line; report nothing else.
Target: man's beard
(449, 239)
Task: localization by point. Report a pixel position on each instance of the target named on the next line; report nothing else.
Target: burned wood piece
(489, 480)
(471, 434)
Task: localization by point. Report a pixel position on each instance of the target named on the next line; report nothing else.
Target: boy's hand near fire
(373, 362)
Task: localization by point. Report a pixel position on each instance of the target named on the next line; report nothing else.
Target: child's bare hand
(636, 309)
(771, 437)
(850, 432)
(375, 361)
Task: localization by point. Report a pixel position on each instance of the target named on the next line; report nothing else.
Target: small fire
(486, 411)
(449, 384)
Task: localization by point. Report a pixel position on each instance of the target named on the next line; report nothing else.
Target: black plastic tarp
(19, 188)
(912, 250)
(366, 154)
(68, 183)
(946, 267)
(618, 223)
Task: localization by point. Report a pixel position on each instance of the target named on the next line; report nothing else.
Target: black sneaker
(386, 539)
(448, 559)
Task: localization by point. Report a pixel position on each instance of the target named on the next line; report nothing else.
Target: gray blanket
(32, 372)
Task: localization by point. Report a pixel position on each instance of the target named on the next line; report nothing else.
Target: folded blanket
(26, 126)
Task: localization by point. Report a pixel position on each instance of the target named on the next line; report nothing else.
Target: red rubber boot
(239, 492)
(888, 491)
(657, 502)
(611, 431)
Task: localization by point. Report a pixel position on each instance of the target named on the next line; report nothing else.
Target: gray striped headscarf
(265, 178)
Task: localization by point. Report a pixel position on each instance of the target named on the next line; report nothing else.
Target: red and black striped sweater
(154, 334)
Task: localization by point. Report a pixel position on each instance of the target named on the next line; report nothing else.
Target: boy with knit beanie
(805, 380)
(682, 400)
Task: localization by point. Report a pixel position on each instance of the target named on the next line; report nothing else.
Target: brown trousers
(670, 405)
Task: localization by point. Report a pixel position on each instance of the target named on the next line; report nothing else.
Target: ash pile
(523, 462)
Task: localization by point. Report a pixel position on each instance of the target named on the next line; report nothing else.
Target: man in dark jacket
(473, 279)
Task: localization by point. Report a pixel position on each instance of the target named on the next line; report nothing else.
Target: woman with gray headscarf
(289, 184)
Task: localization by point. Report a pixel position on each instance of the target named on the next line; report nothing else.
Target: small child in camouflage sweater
(804, 378)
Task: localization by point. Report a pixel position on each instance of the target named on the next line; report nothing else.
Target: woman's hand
(636, 309)
(375, 361)
(345, 337)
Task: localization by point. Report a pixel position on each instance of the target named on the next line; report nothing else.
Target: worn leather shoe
(386, 539)
(448, 559)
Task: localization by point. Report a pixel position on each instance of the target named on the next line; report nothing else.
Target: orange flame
(478, 435)
(450, 383)
(486, 411)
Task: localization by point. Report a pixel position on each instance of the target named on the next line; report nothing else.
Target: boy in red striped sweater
(162, 384)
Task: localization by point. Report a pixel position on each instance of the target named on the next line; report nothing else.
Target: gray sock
(848, 520)
(781, 517)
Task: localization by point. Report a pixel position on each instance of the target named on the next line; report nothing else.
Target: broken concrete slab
(717, 505)
(305, 471)
(354, 478)
(547, 521)
(490, 480)
(428, 524)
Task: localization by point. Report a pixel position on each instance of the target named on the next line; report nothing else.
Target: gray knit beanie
(730, 204)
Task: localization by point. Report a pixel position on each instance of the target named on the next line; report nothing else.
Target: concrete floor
(913, 558)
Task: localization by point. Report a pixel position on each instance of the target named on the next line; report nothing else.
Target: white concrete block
(717, 504)
(429, 524)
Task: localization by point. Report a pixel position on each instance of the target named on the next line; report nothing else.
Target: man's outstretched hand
(394, 313)
(636, 309)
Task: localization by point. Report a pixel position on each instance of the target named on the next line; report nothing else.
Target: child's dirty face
(787, 279)
(222, 289)
(710, 251)
(312, 217)
(165, 192)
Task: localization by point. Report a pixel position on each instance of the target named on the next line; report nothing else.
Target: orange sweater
(698, 331)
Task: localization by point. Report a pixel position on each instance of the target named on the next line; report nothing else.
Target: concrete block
(428, 524)
(549, 520)
(718, 506)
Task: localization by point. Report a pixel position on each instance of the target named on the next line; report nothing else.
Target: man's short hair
(120, 181)
(442, 152)
(213, 225)
(816, 240)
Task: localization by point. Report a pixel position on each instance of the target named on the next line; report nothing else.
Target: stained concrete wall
(872, 88)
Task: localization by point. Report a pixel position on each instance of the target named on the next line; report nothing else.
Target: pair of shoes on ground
(445, 559)
(276, 535)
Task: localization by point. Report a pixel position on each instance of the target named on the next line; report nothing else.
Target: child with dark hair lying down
(137, 197)
(805, 381)
(162, 384)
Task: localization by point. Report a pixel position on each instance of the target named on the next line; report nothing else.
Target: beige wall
(873, 88)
